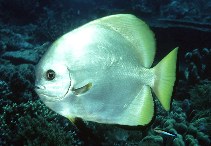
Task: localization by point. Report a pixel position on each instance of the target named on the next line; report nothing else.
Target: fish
(165, 133)
(102, 72)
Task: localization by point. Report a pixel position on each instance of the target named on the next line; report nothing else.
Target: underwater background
(27, 29)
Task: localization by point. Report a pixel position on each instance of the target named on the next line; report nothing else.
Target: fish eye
(50, 74)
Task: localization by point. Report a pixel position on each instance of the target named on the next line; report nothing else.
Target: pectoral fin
(82, 89)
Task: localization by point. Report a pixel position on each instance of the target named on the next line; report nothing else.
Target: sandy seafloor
(28, 28)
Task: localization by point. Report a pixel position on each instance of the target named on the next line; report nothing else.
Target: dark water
(27, 29)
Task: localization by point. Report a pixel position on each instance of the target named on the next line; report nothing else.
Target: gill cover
(56, 88)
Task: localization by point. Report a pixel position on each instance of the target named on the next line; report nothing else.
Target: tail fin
(165, 76)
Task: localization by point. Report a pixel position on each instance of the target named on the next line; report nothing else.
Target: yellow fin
(72, 120)
(135, 31)
(147, 106)
(165, 76)
(141, 110)
(82, 90)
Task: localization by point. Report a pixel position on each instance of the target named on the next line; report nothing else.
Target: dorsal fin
(135, 31)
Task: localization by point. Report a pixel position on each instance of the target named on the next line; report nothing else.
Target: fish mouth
(50, 98)
(82, 90)
(39, 87)
(47, 97)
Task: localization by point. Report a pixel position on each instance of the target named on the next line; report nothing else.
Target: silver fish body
(101, 72)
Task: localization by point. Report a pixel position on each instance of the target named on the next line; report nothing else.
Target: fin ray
(165, 76)
(141, 110)
(135, 31)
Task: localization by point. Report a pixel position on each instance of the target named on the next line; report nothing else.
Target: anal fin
(141, 110)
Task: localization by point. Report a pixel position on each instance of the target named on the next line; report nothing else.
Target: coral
(185, 9)
(32, 123)
(188, 133)
(20, 57)
(19, 81)
(14, 41)
(152, 141)
(190, 140)
(198, 64)
(200, 95)
(178, 141)
(4, 89)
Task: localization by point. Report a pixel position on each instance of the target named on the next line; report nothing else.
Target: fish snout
(39, 87)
